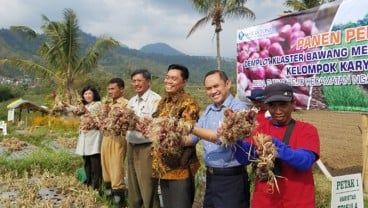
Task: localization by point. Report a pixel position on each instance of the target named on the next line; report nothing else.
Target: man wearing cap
(257, 99)
(296, 153)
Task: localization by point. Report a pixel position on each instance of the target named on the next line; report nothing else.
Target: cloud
(136, 23)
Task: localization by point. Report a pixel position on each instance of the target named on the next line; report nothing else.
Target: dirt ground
(341, 139)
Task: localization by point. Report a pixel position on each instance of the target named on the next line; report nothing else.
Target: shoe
(108, 192)
(118, 197)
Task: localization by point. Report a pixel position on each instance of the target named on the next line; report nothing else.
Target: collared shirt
(215, 155)
(94, 107)
(143, 106)
(180, 105)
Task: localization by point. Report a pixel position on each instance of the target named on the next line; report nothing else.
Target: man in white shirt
(142, 191)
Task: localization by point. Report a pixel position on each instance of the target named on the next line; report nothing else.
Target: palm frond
(70, 41)
(203, 6)
(198, 24)
(296, 5)
(30, 66)
(24, 31)
(61, 52)
(242, 12)
(89, 60)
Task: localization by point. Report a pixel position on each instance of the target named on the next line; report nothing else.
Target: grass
(43, 159)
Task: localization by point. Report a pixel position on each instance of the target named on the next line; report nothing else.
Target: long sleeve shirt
(183, 106)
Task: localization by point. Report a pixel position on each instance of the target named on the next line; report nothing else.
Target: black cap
(278, 92)
(256, 95)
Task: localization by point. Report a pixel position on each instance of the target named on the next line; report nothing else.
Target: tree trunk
(218, 56)
(69, 86)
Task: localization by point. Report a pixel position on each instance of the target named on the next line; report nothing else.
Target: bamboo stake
(324, 170)
(365, 152)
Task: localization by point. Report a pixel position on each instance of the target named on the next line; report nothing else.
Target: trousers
(113, 152)
(92, 166)
(142, 192)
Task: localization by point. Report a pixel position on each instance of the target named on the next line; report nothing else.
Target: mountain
(118, 62)
(161, 48)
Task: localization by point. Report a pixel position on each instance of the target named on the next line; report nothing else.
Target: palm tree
(62, 59)
(216, 11)
(300, 5)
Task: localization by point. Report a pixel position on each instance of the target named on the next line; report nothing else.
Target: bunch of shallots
(89, 122)
(236, 125)
(58, 109)
(118, 121)
(265, 162)
(166, 134)
(80, 109)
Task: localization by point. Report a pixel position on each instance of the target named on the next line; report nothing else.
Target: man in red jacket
(297, 155)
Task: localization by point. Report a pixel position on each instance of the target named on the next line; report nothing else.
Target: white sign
(11, 115)
(347, 191)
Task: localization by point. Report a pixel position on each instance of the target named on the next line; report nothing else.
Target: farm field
(341, 152)
(341, 139)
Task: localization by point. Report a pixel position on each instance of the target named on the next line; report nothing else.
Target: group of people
(227, 181)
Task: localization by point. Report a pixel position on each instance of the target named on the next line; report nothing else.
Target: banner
(322, 52)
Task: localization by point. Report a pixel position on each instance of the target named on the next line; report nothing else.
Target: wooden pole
(365, 151)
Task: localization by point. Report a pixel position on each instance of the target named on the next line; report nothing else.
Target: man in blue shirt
(227, 183)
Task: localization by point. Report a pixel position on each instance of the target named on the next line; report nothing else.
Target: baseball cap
(257, 95)
(278, 92)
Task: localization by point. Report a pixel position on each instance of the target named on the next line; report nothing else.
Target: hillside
(119, 62)
(161, 48)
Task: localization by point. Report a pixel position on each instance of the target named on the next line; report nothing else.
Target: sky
(136, 23)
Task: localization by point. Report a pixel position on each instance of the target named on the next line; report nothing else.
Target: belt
(230, 171)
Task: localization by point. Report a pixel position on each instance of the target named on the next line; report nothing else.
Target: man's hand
(105, 109)
(264, 145)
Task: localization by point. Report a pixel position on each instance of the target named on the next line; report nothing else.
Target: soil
(340, 137)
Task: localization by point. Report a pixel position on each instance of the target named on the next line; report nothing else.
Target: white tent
(27, 105)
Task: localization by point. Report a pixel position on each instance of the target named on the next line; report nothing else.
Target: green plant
(215, 12)
(43, 159)
(61, 52)
(323, 190)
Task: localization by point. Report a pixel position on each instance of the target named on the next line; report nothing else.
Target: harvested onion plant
(66, 142)
(236, 125)
(166, 134)
(79, 109)
(58, 110)
(13, 144)
(45, 190)
(266, 160)
(89, 122)
(118, 121)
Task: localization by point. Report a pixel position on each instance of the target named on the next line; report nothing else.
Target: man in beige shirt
(113, 148)
(142, 192)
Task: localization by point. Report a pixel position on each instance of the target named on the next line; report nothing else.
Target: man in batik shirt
(177, 174)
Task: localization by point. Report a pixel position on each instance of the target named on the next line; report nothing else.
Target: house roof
(26, 104)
